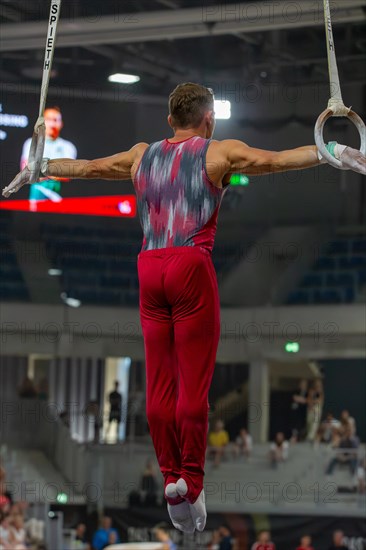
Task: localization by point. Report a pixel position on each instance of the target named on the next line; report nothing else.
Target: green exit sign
(292, 347)
(239, 179)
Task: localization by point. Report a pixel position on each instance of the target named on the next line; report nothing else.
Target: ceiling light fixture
(122, 78)
(222, 109)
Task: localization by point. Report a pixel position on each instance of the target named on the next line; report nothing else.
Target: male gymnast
(180, 183)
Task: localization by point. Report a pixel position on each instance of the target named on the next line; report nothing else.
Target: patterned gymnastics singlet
(177, 202)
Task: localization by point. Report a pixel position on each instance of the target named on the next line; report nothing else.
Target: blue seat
(89, 296)
(11, 275)
(11, 293)
(80, 231)
(125, 265)
(362, 277)
(132, 298)
(109, 297)
(298, 297)
(339, 279)
(312, 279)
(349, 294)
(327, 296)
(120, 281)
(351, 262)
(117, 264)
(359, 245)
(4, 239)
(8, 257)
(76, 278)
(340, 246)
(324, 262)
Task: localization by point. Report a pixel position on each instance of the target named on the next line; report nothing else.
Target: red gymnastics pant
(180, 317)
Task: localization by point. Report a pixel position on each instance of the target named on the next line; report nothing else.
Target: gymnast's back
(178, 204)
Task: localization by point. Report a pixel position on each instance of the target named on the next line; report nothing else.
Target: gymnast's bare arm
(115, 167)
(121, 166)
(237, 156)
(228, 156)
(258, 161)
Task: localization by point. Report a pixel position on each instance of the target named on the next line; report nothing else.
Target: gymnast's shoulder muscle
(219, 158)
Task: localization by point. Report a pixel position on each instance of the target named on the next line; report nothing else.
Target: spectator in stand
(161, 532)
(115, 412)
(2, 488)
(361, 477)
(264, 542)
(328, 430)
(43, 389)
(2, 474)
(23, 508)
(27, 389)
(347, 442)
(226, 539)
(218, 440)
(347, 420)
(5, 539)
(214, 543)
(17, 532)
(338, 541)
(137, 415)
(315, 408)
(278, 451)
(81, 537)
(112, 539)
(149, 484)
(64, 416)
(305, 543)
(5, 502)
(243, 444)
(299, 408)
(101, 536)
(93, 410)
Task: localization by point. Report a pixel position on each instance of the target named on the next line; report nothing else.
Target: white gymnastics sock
(171, 490)
(181, 517)
(198, 512)
(181, 487)
(198, 508)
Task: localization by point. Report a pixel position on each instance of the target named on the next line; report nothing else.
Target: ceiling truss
(173, 24)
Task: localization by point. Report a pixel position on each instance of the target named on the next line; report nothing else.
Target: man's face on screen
(53, 121)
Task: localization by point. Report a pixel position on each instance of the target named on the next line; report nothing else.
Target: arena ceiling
(169, 41)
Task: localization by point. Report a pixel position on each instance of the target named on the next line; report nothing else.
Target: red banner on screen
(107, 205)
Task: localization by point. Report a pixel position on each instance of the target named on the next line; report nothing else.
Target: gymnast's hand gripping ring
(319, 128)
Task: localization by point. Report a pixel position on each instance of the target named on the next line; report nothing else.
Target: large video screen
(75, 128)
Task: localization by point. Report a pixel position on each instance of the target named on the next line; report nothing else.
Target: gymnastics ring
(336, 106)
(36, 149)
(319, 139)
(35, 156)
